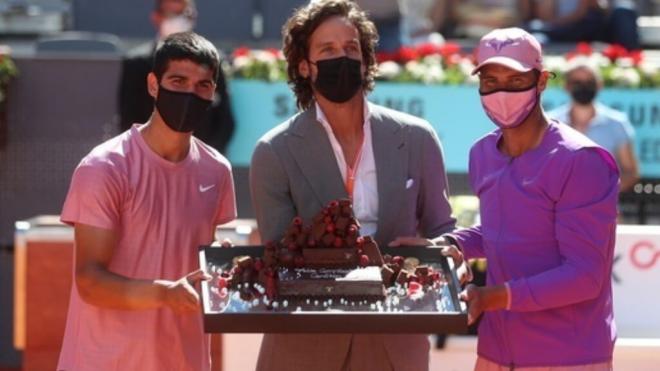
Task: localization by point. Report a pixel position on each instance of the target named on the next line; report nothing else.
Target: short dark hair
(299, 28)
(182, 46)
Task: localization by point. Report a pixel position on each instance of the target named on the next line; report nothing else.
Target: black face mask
(584, 92)
(338, 79)
(181, 111)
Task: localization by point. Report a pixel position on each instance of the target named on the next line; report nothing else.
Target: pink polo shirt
(163, 211)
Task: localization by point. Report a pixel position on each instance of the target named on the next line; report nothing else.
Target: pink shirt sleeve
(94, 197)
(226, 209)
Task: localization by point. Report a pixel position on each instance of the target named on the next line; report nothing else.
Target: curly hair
(298, 30)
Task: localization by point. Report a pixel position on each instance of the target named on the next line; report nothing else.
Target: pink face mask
(508, 109)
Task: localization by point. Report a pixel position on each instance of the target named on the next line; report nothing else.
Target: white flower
(432, 59)
(264, 56)
(416, 69)
(389, 70)
(599, 60)
(241, 62)
(648, 69)
(626, 76)
(625, 62)
(554, 63)
(466, 66)
(434, 74)
(580, 61)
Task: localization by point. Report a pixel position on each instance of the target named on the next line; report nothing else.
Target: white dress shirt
(365, 188)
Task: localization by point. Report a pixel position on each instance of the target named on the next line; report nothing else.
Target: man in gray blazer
(342, 146)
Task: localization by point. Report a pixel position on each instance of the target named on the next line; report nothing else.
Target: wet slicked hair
(299, 28)
(186, 46)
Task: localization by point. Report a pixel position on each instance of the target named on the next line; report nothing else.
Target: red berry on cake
(413, 288)
(364, 260)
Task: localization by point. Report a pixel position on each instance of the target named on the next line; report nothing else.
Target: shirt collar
(320, 116)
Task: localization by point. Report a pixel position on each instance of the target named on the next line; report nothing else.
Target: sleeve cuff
(450, 239)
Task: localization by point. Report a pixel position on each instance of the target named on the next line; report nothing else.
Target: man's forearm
(97, 286)
(628, 180)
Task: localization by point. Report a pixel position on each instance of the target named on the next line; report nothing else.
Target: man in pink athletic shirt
(141, 204)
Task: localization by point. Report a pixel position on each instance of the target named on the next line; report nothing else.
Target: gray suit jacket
(294, 172)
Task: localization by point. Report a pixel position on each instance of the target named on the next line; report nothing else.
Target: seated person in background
(475, 18)
(607, 127)
(135, 103)
(385, 15)
(421, 20)
(584, 20)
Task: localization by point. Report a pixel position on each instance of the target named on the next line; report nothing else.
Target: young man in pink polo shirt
(141, 204)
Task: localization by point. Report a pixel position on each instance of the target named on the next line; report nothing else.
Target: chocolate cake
(326, 259)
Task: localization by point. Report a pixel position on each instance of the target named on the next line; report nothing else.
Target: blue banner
(454, 111)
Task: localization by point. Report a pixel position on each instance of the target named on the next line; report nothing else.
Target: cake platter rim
(450, 322)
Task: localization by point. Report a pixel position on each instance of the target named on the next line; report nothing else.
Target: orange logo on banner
(644, 255)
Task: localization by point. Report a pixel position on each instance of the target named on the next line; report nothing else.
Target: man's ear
(304, 69)
(152, 85)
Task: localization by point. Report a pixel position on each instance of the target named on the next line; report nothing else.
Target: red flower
(584, 48)
(386, 56)
(614, 52)
(636, 56)
(427, 49)
(453, 59)
(241, 52)
(448, 49)
(273, 51)
(406, 54)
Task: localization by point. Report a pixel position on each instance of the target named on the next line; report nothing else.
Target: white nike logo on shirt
(205, 188)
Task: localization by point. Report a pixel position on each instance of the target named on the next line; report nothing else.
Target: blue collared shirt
(610, 128)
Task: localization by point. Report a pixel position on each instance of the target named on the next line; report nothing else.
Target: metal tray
(438, 312)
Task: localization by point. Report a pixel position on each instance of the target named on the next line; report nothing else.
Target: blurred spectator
(607, 127)
(613, 21)
(385, 15)
(475, 18)
(421, 20)
(135, 103)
